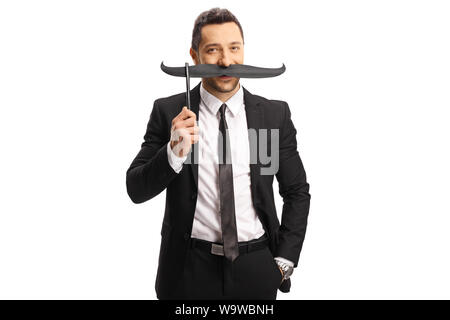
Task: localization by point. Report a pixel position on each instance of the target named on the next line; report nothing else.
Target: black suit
(150, 173)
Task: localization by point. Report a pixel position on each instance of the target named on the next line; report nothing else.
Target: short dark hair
(212, 16)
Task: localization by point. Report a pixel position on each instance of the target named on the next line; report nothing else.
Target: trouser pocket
(274, 266)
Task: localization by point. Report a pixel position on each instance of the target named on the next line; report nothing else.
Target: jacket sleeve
(150, 171)
(294, 189)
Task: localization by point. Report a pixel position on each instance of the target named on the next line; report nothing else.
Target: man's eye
(210, 50)
(235, 48)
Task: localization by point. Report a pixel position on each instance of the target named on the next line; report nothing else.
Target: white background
(368, 86)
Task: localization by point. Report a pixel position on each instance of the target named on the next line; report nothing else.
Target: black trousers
(253, 275)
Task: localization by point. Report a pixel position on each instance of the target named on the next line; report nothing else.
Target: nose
(224, 60)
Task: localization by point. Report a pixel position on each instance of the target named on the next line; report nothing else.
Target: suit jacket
(150, 173)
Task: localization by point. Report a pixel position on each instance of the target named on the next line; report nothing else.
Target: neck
(222, 96)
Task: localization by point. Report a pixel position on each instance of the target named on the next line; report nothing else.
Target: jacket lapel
(255, 121)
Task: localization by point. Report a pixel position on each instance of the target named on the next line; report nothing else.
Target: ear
(194, 56)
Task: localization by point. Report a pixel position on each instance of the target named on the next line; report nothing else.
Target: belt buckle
(217, 249)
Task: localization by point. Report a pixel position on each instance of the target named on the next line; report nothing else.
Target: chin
(226, 86)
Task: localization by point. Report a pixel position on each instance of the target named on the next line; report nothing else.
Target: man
(221, 237)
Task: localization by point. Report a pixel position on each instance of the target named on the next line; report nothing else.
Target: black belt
(217, 248)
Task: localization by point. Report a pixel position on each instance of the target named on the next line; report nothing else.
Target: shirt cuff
(175, 162)
(288, 262)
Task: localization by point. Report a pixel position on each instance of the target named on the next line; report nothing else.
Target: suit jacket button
(186, 236)
(194, 195)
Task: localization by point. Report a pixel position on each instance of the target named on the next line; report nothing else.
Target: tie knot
(222, 110)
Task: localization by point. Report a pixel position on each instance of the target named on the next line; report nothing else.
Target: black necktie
(227, 212)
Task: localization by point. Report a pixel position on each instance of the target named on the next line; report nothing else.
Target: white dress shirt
(207, 222)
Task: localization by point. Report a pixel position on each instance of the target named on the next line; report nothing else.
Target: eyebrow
(218, 44)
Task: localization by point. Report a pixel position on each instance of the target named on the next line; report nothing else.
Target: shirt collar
(234, 103)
